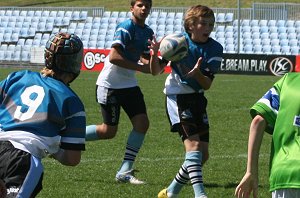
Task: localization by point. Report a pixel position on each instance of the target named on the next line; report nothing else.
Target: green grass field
(229, 98)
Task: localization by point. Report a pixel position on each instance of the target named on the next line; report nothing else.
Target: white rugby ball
(173, 47)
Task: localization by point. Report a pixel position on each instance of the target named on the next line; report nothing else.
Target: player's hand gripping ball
(173, 47)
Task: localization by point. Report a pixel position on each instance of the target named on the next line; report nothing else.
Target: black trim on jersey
(70, 146)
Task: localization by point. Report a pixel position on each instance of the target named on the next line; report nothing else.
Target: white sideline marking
(243, 156)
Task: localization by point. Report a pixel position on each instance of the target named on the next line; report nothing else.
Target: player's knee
(141, 123)
(107, 132)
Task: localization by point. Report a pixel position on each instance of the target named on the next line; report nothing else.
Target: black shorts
(111, 100)
(21, 172)
(187, 115)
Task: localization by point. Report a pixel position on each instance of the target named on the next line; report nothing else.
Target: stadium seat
(276, 49)
(179, 15)
(92, 44)
(263, 22)
(19, 24)
(107, 45)
(25, 56)
(230, 40)
(290, 23)
(45, 13)
(255, 35)
(265, 35)
(16, 56)
(264, 29)
(114, 14)
(280, 23)
(8, 13)
(60, 14)
(286, 50)
(20, 19)
(8, 55)
(23, 13)
(83, 15)
(230, 48)
(101, 37)
(21, 42)
(284, 42)
(293, 42)
(254, 22)
(271, 23)
(106, 14)
(295, 50)
(220, 18)
(100, 44)
(267, 49)
(257, 49)
(274, 35)
(2, 55)
(282, 29)
(275, 42)
(14, 37)
(273, 29)
(283, 35)
(122, 14)
(36, 42)
(37, 13)
(75, 16)
(68, 14)
(102, 32)
(256, 41)
(3, 47)
(53, 13)
(154, 14)
(248, 49)
(229, 17)
(121, 19)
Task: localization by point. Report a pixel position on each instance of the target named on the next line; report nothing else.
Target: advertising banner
(255, 64)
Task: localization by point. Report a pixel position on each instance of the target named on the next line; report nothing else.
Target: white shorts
(286, 193)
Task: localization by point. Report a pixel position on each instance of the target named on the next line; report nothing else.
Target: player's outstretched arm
(249, 183)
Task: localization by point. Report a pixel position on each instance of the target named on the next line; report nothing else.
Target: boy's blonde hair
(193, 14)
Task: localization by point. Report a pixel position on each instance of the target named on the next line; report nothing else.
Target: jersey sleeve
(214, 61)
(73, 136)
(268, 106)
(122, 35)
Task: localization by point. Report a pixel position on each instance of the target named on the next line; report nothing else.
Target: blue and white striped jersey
(39, 114)
(134, 41)
(211, 53)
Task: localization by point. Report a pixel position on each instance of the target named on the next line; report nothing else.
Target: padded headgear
(64, 53)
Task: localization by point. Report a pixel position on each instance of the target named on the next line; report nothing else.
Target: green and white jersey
(280, 106)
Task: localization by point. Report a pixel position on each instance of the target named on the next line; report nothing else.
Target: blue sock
(91, 133)
(179, 181)
(134, 143)
(192, 162)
